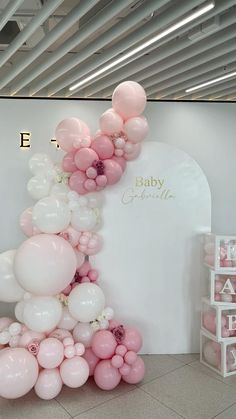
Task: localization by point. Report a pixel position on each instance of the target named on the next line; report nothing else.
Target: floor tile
(157, 365)
(133, 405)
(228, 413)
(186, 358)
(231, 381)
(76, 401)
(191, 393)
(30, 406)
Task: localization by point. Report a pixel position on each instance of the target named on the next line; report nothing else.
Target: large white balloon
(38, 187)
(60, 191)
(83, 333)
(84, 219)
(51, 215)
(67, 322)
(86, 302)
(10, 289)
(42, 314)
(40, 163)
(45, 264)
(19, 310)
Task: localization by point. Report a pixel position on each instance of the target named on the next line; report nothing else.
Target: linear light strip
(146, 44)
(208, 83)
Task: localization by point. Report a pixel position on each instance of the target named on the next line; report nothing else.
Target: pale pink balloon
(74, 371)
(210, 260)
(121, 161)
(112, 171)
(5, 323)
(130, 357)
(110, 122)
(49, 384)
(103, 146)
(69, 131)
(121, 350)
(104, 344)
(51, 353)
(209, 321)
(90, 185)
(80, 257)
(135, 152)
(29, 336)
(68, 162)
(132, 340)
(136, 129)
(60, 334)
(18, 372)
(26, 223)
(136, 373)
(101, 180)
(106, 376)
(117, 361)
(71, 235)
(84, 158)
(125, 369)
(91, 359)
(76, 182)
(129, 99)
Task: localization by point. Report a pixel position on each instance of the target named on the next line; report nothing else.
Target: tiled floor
(175, 386)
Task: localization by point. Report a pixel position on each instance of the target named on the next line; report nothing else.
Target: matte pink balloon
(209, 321)
(90, 185)
(121, 161)
(136, 129)
(26, 223)
(29, 336)
(135, 152)
(18, 372)
(91, 359)
(130, 357)
(112, 171)
(76, 182)
(103, 146)
(129, 99)
(49, 384)
(132, 340)
(84, 158)
(68, 162)
(60, 334)
(136, 373)
(69, 132)
(110, 122)
(117, 361)
(51, 353)
(74, 371)
(106, 376)
(104, 344)
(125, 369)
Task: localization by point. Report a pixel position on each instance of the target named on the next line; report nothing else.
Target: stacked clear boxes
(218, 317)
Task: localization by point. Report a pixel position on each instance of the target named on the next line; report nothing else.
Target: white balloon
(38, 187)
(42, 314)
(95, 199)
(83, 333)
(80, 258)
(84, 219)
(19, 310)
(10, 289)
(40, 163)
(86, 302)
(51, 215)
(60, 191)
(67, 322)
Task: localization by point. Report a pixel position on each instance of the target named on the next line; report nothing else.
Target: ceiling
(48, 45)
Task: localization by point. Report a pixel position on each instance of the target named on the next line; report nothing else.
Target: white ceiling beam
(9, 11)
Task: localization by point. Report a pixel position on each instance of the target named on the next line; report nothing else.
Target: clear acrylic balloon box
(218, 356)
(222, 288)
(220, 252)
(219, 322)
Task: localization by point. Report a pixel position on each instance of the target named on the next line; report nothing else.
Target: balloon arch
(64, 331)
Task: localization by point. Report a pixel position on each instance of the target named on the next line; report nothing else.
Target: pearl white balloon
(86, 302)
(40, 163)
(67, 322)
(10, 289)
(19, 309)
(84, 219)
(83, 333)
(42, 314)
(51, 215)
(60, 191)
(38, 187)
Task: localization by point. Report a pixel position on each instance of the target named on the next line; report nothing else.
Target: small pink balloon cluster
(225, 297)
(100, 161)
(84, 274)
(212, 355)
(209, 322)
(222, 253)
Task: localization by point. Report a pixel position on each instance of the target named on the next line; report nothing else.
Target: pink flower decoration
(119, 333)
(33, 347)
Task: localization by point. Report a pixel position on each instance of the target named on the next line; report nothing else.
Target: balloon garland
(64, 332)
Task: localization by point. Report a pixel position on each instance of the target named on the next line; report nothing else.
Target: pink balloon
(125, 369)
(84, 158)
(60, 334)
(18, 372)
(106, 376)
(26, 223)
(103, 146)
(49, 384)
(113, 171)
(117, 361)
(136, 129)
(76, 182)
(129, 99)
(110, 122)
(90, 185)
(68, 162)
(51, 353)
(91, 359)
(74, 371)
(104, 344)
(71, 235)
(121, 350)
(210, 260)
(29, 336)
(130, 357)
(101, 180)
(136, 373)
(209, 321)
(121, 161)
(132, 340)
(69, 132)
(135, 152)
(5, 323)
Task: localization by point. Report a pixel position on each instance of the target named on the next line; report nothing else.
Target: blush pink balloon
(84, 158)
(130, 357)
(110, 122)
(135, 152)
(26, 223)
(136, 129)
(136, 373)
(132, 340)
(209, 321)
(104, 344)
(76, 182)
(60, 334)
(90, 185)
(69, 132)
(68, 162)
(117, 361)
(29, 336)
(18, 372)
(71, 235)
(51, 353)
(49, 384)
(74, 371)
(91, 359)
(106, 376)
(112, 171)
(125, 369)
(210, 260)
(113, 323)
(121, 161)
(103, 146)
(129, 99)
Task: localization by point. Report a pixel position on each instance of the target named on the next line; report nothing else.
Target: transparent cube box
(222, 287)
(220, 252)
(218, 321)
